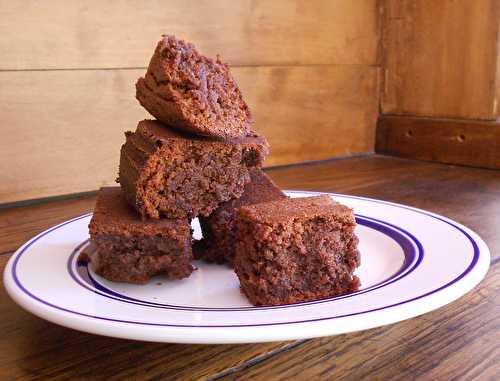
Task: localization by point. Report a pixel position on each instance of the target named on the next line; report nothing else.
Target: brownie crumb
(130, 250)
(191, 92)
(166, 173)
(218, 243)
(296, 250)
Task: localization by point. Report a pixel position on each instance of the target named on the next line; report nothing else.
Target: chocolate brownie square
(164, 172)
(191, 92)
(218, 240)
(131, 250)
(295, 250)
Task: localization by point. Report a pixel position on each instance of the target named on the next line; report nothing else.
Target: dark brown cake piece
(218, 243)
(189, 91)
(295, 250)
(131, 250)
(164, 172)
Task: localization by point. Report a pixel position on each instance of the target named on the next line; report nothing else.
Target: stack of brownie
(201, 158)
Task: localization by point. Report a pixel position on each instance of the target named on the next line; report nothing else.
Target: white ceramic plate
(413, 262)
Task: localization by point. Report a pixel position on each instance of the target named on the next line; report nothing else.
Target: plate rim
(258, 333)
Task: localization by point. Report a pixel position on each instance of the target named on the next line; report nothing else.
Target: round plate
(413, 262)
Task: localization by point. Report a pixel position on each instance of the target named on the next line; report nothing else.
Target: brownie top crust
(201, 89)
(288, 209)
(174, 174)
(158, 133)
(218, 243)
(113, 215)
(152, 135)
(260, 189)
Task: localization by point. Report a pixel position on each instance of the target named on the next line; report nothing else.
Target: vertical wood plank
(440, 58)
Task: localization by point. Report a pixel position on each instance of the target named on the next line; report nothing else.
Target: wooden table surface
(458, 341)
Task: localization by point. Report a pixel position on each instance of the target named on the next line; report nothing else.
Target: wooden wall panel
(62, 129)
(440, 58)
(307, 68)
(119, 34)
(312, 113)
(497, 87)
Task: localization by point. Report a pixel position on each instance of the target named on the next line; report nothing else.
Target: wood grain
(120, 34)
(459, 341)
(18, 224)
(62, 130)
(464, 142)
(440, 58)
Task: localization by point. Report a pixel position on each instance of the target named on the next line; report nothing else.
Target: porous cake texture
(166, 173)
(131, 250)
(295, 250)
(218, 243)
(191, 92)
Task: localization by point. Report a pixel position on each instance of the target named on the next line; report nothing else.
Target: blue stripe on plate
(469, 268)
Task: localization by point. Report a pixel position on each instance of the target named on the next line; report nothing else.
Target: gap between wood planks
(232, 66)
(255, 361)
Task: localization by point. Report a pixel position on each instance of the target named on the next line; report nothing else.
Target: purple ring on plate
(472, 264)
(412, 249)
